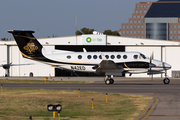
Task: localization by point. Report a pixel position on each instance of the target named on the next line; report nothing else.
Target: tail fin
(27, 43)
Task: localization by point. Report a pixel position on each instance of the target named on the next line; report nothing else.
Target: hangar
(167, 51)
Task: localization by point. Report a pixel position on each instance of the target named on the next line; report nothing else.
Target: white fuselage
(85, 61)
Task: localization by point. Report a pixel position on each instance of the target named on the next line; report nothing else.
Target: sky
(58, 17)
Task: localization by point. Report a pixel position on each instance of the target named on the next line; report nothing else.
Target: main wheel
(111, 81)
(107, 82)
(166, 81)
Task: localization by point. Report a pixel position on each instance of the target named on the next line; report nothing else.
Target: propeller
(151, 65)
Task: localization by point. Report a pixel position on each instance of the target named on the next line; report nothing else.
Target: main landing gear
(109, 80)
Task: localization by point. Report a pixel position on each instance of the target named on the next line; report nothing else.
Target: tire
(166, 81)
(111, 81)
(107, 82)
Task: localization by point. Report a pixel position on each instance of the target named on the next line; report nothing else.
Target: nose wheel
(166, 81)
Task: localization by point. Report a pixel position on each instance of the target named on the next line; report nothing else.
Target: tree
(78, 32)
(84, 31)
(109, 32)
(4, 39)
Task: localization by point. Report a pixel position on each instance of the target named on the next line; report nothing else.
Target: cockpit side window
(135, 56)
(143, 56)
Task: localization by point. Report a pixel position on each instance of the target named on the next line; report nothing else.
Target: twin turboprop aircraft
(110, 63)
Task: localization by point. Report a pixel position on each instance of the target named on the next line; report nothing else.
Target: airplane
(7, 67)
(110, 63)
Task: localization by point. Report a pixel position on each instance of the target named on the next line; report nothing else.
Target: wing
(19, 64)
(108, 65)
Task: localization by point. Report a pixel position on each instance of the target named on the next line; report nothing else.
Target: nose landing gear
(166, 79)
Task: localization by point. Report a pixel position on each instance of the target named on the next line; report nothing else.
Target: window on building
(148, 6)
(141, 6)
(135, 21)
(138, 26)
(171, 37)
(138, 16)
(171, 32)
(142, 36)
(123, 32)
(138, 32)
(174, 26)
(134, 16)
(174, 37)
(178, 26)
(142, 26)
(138, 36)
(140, 11)
(178, 37)
(174, 32)
(127, 32)
(136, 11)
(134, 26)
(142, 16)
(145, 11)
(139, 21)
(131, 21)
(123, 26)
(134, 36)
(178, 32)
(134, 32)
(130, 32)
(171, 26)
(142, 32)
(130, 26)
(144, 6)
(127, 27)
(137, 6)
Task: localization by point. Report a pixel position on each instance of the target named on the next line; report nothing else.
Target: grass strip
(42, 81)
(19, 104)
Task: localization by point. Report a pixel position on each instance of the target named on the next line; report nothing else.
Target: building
(167, 51)
(154, 20)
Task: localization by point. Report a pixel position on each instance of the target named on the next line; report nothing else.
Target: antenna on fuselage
(84, 50)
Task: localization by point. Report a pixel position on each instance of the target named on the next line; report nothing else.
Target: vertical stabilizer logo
(30, 47)
(88, 39)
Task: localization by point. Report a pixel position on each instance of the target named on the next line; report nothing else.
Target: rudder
(27, 43)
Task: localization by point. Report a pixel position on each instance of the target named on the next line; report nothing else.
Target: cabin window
(79, 56)
(118, 56)
(68, 57)
(100, 57)
(125, 56)
(112, 56)
(89, 56)
(95, 56)
(135, 56)
(107, 56)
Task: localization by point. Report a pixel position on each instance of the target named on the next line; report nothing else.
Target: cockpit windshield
(143, 56)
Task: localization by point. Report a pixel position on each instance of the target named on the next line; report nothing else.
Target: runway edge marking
(147, 111)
